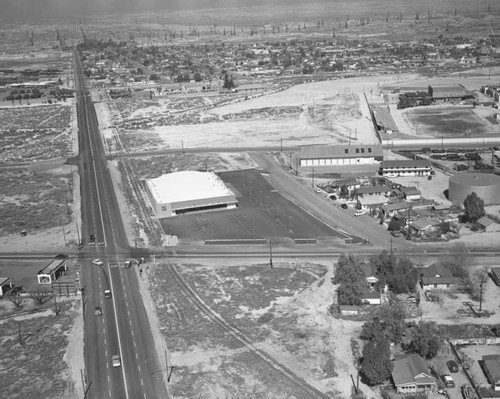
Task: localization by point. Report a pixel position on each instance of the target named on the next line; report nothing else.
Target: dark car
(92, 239)
(452, 366)
(343, 206)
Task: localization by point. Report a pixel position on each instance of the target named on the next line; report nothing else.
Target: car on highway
(359, 213)
(98, 311)
(116, 361)
(452, 366)
(97, 262)
(107, 294)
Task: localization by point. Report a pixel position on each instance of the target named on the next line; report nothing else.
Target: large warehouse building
(189, 191)
(340, 154)
(486, 186)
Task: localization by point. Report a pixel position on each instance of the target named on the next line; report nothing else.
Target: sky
(20, 9)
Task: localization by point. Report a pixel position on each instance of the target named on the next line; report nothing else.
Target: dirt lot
(282, 310)
(262, 212)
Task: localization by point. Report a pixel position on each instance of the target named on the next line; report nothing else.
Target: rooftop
(187, 186)
(341, 151)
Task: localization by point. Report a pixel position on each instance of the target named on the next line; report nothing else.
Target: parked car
(116, 361)
(92, 239)
(468, 392)
(359, 213)
(448, 381)
(343, 206)
(97, 262)
(452, 366)
(107, 294)
(98, 311)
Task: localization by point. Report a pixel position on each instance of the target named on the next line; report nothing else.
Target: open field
(437, 121)
(31, 201)
(262, 212)
(39, 367)
(282, 310)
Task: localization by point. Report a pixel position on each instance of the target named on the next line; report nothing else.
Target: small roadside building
(449, 93)
(5, 285)
(328, 155)
(411, 375)
(437, 277)
(405, 167)
(52, 271)
(349, 310)
(487, 225)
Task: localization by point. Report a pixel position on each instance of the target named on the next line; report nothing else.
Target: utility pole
(182, 145)
(281, 144)
(270, 253)
(480, 298)
(19, 332)
(64, 235)
(77, 233)
(313, 178)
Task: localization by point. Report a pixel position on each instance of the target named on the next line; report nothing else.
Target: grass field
(262, 212)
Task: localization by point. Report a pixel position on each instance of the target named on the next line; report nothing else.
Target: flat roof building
(189, 191)
(406, 167)
(340, 154)
(52, 271)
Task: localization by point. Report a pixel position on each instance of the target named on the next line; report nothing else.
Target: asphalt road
(123, 328)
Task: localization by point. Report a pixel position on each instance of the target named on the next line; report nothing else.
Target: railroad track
(309, 390)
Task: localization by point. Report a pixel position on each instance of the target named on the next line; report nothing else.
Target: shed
(495, 275)
(349, 310)
(487, 224)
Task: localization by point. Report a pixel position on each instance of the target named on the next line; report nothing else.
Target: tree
(17, 300)
(40, 295)
(228, 81)
(474, 208)
(350, 278)
(404, 278)
(376, 366)
(425, 339)
(197, 77)
(389, 321)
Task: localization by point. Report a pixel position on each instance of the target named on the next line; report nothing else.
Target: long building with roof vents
(189, 191)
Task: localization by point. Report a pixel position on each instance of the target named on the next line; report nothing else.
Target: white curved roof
(187, 186)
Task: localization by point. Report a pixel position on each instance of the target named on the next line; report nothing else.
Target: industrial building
(188, 191)
(406, 167)
(340, 154)
(486, 186)
(449, 93)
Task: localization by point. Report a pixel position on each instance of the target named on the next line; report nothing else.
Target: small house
(437, 276)
(486, 224)
(411, 375)
(5, 285)
(349, 310)
(492, 370)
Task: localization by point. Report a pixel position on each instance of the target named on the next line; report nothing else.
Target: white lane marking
(145, 395)
(136, 356)
(142, 382)
(118, 333)
(109, 393)
(134, 344)
(132, 333)
(109, 380)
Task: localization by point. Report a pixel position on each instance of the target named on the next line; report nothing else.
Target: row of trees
(398, 274)
(388, 325)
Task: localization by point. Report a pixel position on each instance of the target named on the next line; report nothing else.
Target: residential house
(411, 375)
(395, 208)
(426, 226)
(371, 297)
(349, 310)
(370, 273)
(411, 193)
(492, 370)
(495, 275)
(374, 190)
(486, 224)
(5, 285)
(437, 276)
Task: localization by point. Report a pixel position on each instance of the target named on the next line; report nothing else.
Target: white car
(97, 262)
(359, 213)
(116, 361)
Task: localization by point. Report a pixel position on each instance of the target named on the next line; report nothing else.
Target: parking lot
(262, 213)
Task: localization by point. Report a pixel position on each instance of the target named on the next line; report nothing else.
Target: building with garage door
(486, 186)
(341, 154)
(406, 167)
(189, 191)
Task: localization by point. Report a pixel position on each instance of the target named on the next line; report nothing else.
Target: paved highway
(123, 328)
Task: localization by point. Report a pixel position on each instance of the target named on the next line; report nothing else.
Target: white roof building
(188, 191)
